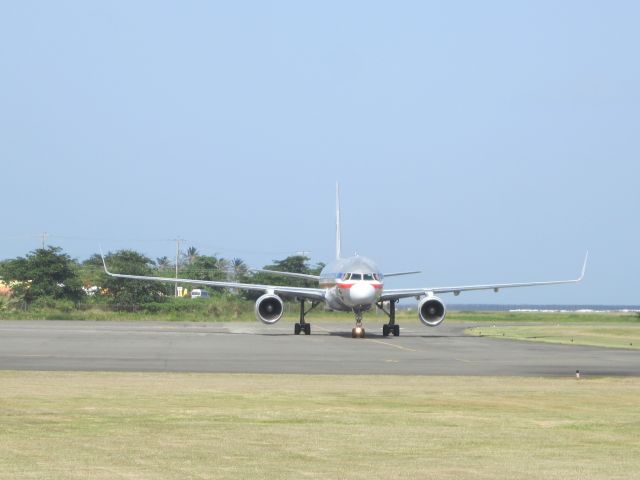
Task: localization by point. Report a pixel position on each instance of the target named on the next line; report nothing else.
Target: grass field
(544, 317)
(176, 426)
(612, 335)
(181, 310)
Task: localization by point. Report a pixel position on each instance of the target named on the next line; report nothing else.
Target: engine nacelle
(431, 311)
(269, 308)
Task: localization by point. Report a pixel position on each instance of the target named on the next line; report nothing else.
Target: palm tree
(192, 254)
(223, 266)
(238, 269)
(163, 262)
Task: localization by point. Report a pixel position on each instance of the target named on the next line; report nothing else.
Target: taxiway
(246, 347)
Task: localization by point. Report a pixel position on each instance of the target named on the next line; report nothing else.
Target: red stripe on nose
(349, 285)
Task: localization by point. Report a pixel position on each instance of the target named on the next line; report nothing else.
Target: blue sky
(476, 141)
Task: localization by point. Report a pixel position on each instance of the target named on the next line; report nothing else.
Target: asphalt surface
(253, 348)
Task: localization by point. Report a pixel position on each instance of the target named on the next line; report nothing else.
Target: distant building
(5, 290)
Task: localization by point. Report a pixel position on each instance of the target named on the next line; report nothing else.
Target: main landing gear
(358, 330)
(391, 327)
(302, 326)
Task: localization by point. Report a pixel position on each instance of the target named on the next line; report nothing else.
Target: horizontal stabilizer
(397, 274)
(304, 276)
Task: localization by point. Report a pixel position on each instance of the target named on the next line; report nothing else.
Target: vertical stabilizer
(338, 230)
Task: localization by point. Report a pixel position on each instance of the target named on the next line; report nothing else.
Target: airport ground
(251, 347)
(102, 399)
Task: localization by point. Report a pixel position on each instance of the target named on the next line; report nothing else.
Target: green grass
(231, 309)
(217, 309)
(609, 334)
(543, 317)
(176, 426)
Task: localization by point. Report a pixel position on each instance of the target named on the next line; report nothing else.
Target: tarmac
(246, 347)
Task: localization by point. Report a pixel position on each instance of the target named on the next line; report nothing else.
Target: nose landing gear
(358, 330)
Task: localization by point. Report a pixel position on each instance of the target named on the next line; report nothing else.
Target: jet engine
(431, 311)
(269, 308)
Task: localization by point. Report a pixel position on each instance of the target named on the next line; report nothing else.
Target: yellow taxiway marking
(400, 347)
(321, 328)
(392, 345)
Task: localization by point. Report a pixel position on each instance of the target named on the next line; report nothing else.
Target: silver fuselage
(352, 284)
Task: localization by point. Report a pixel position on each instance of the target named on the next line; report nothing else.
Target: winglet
(584, 266)
(104, 262)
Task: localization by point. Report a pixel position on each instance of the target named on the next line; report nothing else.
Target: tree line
(50, 274)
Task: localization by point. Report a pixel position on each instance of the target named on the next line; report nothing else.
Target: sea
(489, 307)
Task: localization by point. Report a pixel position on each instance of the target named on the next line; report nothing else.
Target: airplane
(352, 284)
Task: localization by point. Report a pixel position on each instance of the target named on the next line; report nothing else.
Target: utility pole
(178, 240)
(44, 238)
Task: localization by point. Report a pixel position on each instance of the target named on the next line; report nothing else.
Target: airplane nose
(362, 294)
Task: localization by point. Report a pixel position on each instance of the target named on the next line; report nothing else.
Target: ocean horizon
(491, 307)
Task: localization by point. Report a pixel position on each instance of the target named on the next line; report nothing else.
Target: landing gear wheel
(299, 328)
(357, 332)
(388, 328)
(302, 326)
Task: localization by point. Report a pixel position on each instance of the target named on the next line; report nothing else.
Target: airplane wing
(300, 292)
(395, 294)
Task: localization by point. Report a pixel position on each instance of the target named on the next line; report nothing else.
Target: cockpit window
(368, 276)
(376, 276)
(345, 276)
(356, 276)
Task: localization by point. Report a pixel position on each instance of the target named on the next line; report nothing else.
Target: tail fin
(338, 229)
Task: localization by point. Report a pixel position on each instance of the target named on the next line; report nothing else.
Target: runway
(246, 347)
